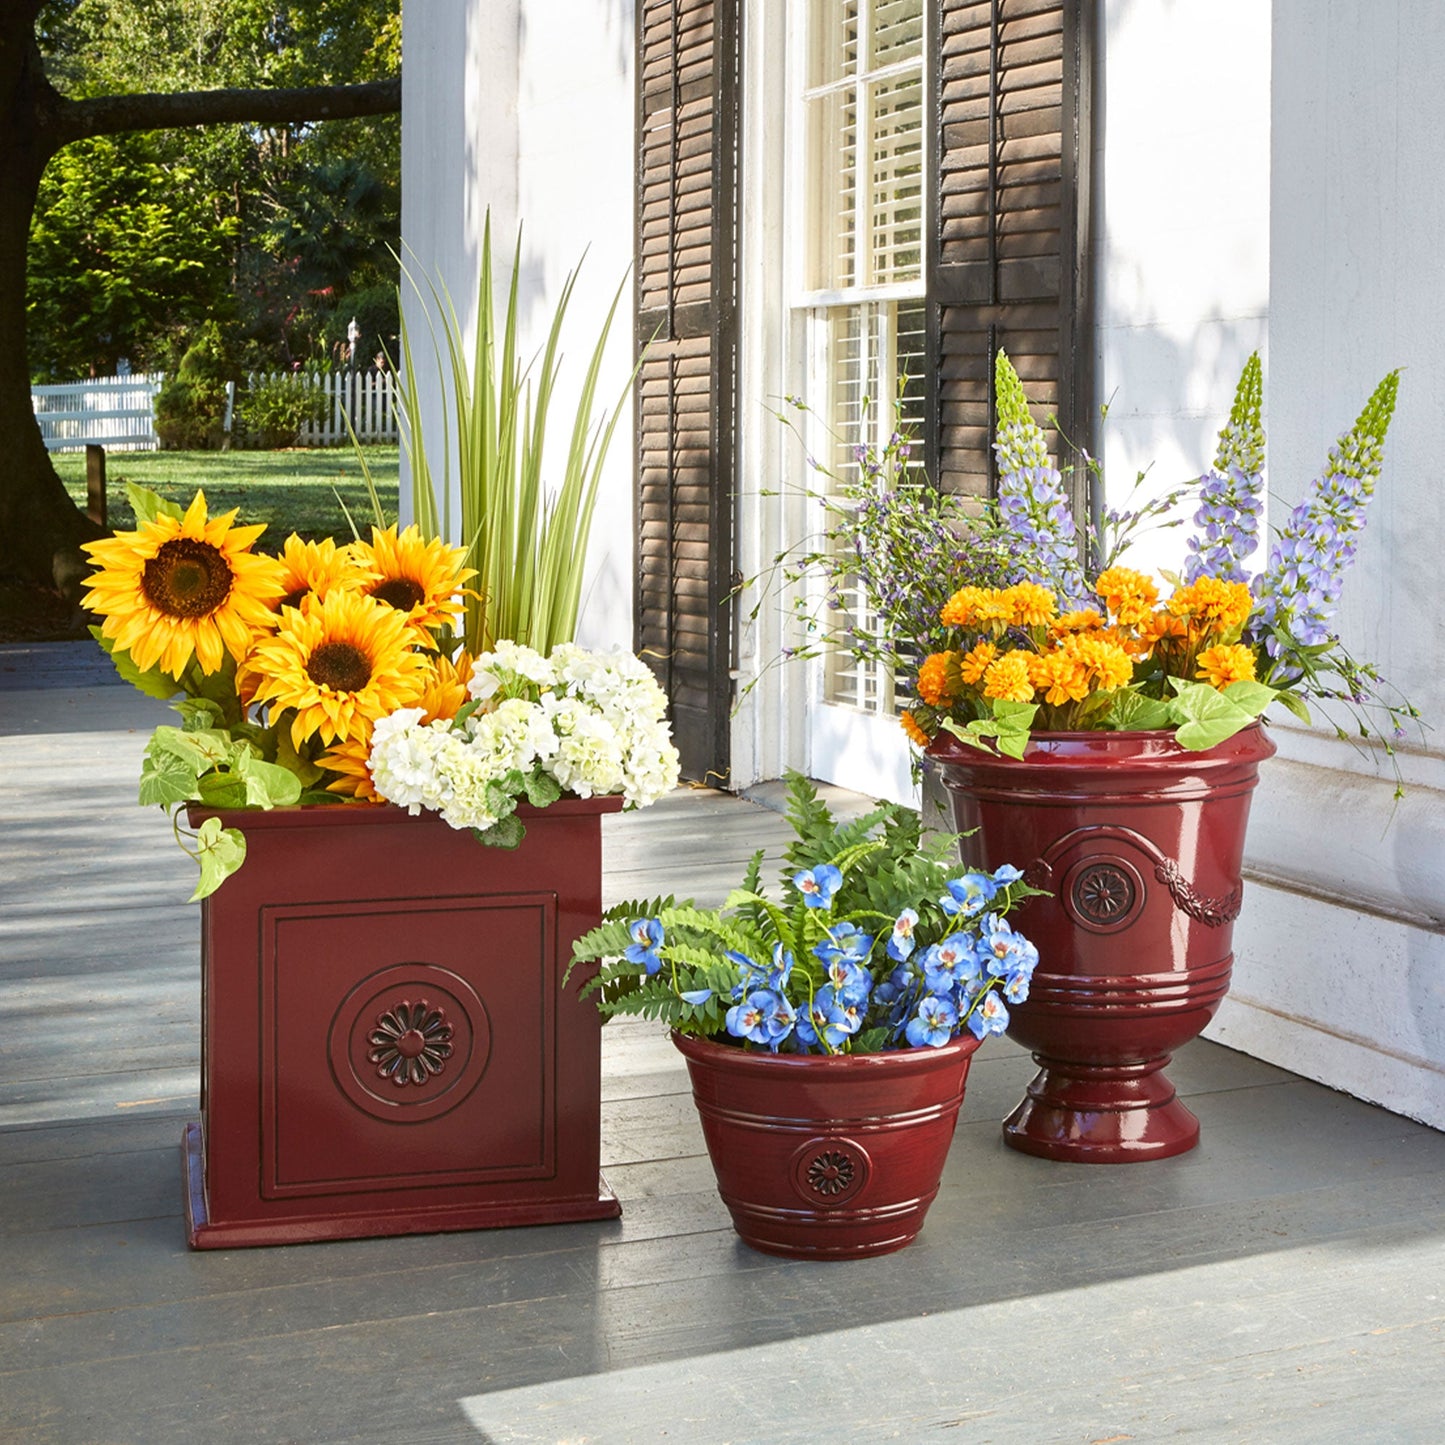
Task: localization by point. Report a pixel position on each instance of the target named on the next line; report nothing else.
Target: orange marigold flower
(972, 665)
(1059, 677)
(1222, 606)
(1029, 604)
(1109, 664)
(1230, 662)
(1158, 627)
(914, 729)
(961, 610)
(1007, 678)
(1086, 620)
(1129, 595)
(933, 682)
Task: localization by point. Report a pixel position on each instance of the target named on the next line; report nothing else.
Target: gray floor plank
(1283, 1282)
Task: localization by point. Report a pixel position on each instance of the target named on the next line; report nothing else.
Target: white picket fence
(367, 397)
(118, 412)
(110, 411)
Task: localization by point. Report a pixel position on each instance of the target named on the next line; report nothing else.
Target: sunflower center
(187, 578)
(399, 592)
(339, 665)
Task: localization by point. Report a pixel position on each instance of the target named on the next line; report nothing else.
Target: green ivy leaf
(148, 505)
(508, 833)
(220, 852)
(153, 682)
(199, 714)
(287, 757)
(1210, 716)
(1253, 697)
(542, 789)
(166, 780)
(222, 790)
(268, 785)
(1129, 712)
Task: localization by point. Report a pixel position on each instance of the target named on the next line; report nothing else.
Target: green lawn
(290, 491)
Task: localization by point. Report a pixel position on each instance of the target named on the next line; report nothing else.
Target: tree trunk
(41, 529)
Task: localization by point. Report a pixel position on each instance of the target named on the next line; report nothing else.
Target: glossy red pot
(834, 1157)
(386, 1045)
(1139, 842)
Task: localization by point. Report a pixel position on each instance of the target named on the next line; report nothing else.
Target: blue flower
(900, 945)
(764, 1017)
(647, 938)
(1003, 951)
(951, 964)
(1016, 987)
(968, 896)
(1006, 873)
(934, 1023)
(845, 942)
(837, 1014)
(695, 995)
(990, 1017)
(818, 885)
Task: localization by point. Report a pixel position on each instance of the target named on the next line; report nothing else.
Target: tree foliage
(269, 228)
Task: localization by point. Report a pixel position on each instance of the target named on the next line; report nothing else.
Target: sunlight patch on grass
(290, 491)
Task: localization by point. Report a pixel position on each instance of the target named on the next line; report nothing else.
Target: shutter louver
(1011, 115)
(686, 307)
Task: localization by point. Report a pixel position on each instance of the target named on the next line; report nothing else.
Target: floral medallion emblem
(410, 1043)
(829, 1172)
(1102, 892)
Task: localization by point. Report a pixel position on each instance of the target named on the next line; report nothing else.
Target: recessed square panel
(407, 1043)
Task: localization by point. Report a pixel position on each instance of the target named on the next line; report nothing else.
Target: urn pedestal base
(1101, 1114)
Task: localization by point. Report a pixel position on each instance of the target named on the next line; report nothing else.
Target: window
(860, 267)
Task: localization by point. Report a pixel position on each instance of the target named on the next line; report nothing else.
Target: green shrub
(275, 408)
(191, 405)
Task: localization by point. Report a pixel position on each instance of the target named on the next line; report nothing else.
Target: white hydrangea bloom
(595, 722)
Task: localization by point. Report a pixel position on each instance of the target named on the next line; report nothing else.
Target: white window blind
(861, 292)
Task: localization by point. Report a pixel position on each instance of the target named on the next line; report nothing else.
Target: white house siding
(526, 107)
(1270, 180)
(1341, 967)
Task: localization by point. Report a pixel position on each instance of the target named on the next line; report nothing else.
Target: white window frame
(783, 718)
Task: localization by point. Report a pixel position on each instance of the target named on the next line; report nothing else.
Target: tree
(123, 260)
(40, 528)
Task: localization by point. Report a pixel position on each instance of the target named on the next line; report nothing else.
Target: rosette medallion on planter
(387, 1046)
(828, 1157)
(1138, 842)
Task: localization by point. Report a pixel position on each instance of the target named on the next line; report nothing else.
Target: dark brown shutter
(687, 133)
(1011, 106)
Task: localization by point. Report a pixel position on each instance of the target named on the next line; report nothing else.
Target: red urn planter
(1139, 843)
(386, 1045)
(828, 1157)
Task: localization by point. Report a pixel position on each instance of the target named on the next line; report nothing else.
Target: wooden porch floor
(1284, 1282)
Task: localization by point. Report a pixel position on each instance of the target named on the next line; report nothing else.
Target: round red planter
(1139, 842)
(832, 1157)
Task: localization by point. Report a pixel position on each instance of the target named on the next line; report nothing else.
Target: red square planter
(386, 1045)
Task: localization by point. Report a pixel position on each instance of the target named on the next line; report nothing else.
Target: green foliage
(297, 215)
(190, 406)
(273, 410)
(526, 539)
(702, 961)
(126, 254)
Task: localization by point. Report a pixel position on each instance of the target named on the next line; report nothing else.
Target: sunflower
(442, 696)
(312, 569)
(341, 661)
(179, 587)
(420, 579)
